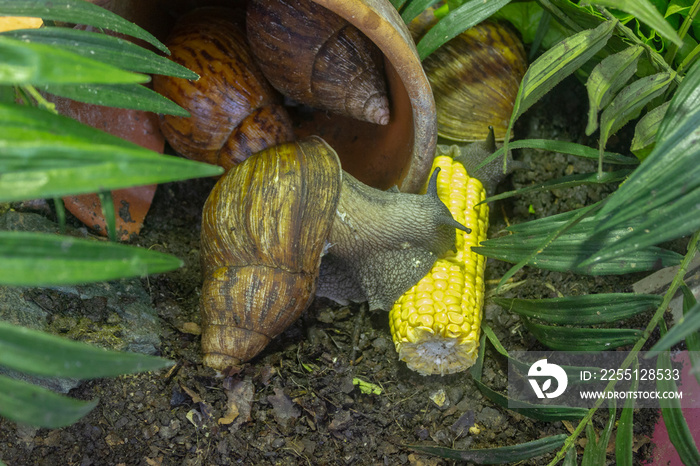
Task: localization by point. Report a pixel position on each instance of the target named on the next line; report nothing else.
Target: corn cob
(435, 325)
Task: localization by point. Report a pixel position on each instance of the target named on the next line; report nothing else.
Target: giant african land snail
(266, 226)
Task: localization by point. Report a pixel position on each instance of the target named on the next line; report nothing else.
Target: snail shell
(315, 57)
(475, 79)
(235, 112)
(264, 228)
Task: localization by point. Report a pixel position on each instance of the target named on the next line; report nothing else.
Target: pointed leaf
(47, 155)
(25, 403)
(624, 438)
(606, 79)
(582, 339)
(629, 102)
(102, 47)
(564, 182)
(457, 21)
(40, 353)
(646, 12)
(687, 325)
(26, 63)
(415, 8)
(645, 131)
(500, 455)
(676, 425)
(556, 64)
(582, 310)
(671, 170)
(132, 96)
(39, 259)
(80, 12)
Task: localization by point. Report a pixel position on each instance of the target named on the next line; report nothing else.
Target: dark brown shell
(315, 57)
(264, 227)
(235, 112)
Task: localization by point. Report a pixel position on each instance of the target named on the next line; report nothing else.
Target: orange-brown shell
(317, 58)
(475, 79)
(235, 112)
(264, 227)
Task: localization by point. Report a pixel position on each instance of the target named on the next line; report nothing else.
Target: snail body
(235, 112)
(267, 224)
(315, 57)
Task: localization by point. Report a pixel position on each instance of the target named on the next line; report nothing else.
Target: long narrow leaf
(40, 353)
(470, 13)
(582, 339)
(671, 171)
(688, 325)
(38, 259)
(625, 428)
(606, 79)
(500, 455)
(47, 155)
(27, 63)
(102, 47)
(415, 8)
(564, 182)
(556, 64)
(645, 131)
(80, 12)
(629, 102)
(646, 12)
(582, 310)
(131, 96)
(692, 341)
(28, 404)
(676, 425)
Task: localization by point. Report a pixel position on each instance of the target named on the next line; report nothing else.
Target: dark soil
(296, 403)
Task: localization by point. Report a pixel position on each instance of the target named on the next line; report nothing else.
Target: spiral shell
(264, 227)
(475, 79)
(235, 112)
(315, 57)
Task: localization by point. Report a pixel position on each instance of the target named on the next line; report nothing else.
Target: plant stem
(658, 315)
(50, 106)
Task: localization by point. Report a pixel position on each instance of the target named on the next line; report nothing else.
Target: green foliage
(638, 61)
(43, 154)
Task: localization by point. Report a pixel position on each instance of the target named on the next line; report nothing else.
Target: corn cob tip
(432, 354)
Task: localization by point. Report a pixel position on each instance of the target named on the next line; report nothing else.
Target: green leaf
(582, 339)
(500, 455)
(687, 325)
(132, 96)
(80, 12)
(691, 341)
(571, 249)
(669, 177)
(415, 8)
(645, 131)
(595, 450)
(40, 353)
(104, 48)
(367, 388)
(457, 21)
(542, 413)
(25, 403)
(39, 259)
(676, 425)
(582, 310)
(47, 155)
(629, 102)
(26, 63)
(606, 79)
(644, 11)
(556, 64)
(564, 182)
(624, 438)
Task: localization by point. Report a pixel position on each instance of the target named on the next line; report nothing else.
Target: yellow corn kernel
(435, 324)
